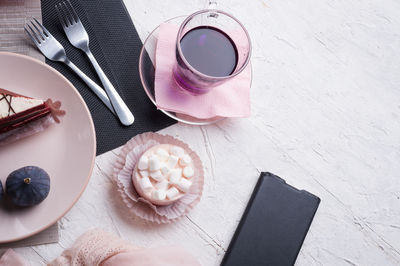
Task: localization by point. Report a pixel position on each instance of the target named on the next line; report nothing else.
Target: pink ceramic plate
(66, 151)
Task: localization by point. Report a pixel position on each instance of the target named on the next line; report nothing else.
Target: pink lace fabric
(92, 248)
(165, 256)
(97, 247)
(122, 175)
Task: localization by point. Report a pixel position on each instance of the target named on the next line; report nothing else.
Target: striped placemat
(13, 16)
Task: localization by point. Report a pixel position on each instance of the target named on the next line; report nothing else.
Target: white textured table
(326, 117)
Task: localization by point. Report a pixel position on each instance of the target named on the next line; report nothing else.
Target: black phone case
(273, 226)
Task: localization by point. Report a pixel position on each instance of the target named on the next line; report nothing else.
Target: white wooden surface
(326, 117)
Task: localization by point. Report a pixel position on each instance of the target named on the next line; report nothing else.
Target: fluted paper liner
(122, 176)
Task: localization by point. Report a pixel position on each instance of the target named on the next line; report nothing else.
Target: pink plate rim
(93, 144)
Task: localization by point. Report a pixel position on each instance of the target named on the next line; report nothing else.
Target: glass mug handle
(211, 4)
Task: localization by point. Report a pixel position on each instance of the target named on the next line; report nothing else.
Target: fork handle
(124, 114)
(92, 85)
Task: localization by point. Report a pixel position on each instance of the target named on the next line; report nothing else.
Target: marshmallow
(143, 163)
(157, 175)
(144, 173)
(185, 160)
(159, 194)
(188, 171)
(184, 184)
(164, 173)
(162, 185)
(172, 193)
(175, 176)
(163, 154)
(172, 161)
(165, 169)
(177, 151)
(145, 183)
(154, 163)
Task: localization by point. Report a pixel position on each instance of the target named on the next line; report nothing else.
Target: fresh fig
(27, 186)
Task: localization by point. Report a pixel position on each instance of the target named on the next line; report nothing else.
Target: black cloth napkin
(116, 46)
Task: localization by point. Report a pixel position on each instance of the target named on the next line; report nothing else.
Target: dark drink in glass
(211, 47)
(210, 51)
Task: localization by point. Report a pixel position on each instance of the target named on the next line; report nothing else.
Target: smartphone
(273, 226)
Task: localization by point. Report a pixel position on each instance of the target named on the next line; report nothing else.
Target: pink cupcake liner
(122, 175)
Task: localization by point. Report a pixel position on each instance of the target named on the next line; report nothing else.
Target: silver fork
(79, 38)
(54, 51)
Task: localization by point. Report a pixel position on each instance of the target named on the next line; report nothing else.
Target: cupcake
(166, 184)
(163, 174)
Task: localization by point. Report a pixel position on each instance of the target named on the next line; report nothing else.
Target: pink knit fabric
(97, 247)
(166, 256)
(92, 248)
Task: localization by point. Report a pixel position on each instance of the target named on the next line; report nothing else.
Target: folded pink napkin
(230, 99)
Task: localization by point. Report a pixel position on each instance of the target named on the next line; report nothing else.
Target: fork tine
(38, 32)
(61, 16)
(73, 12)
(45, 31)
(34, 33)
(31, 36)
(67, 13)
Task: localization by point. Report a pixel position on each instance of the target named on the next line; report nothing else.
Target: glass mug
(224, 42)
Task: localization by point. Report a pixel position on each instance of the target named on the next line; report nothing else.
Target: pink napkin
(230, 99)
